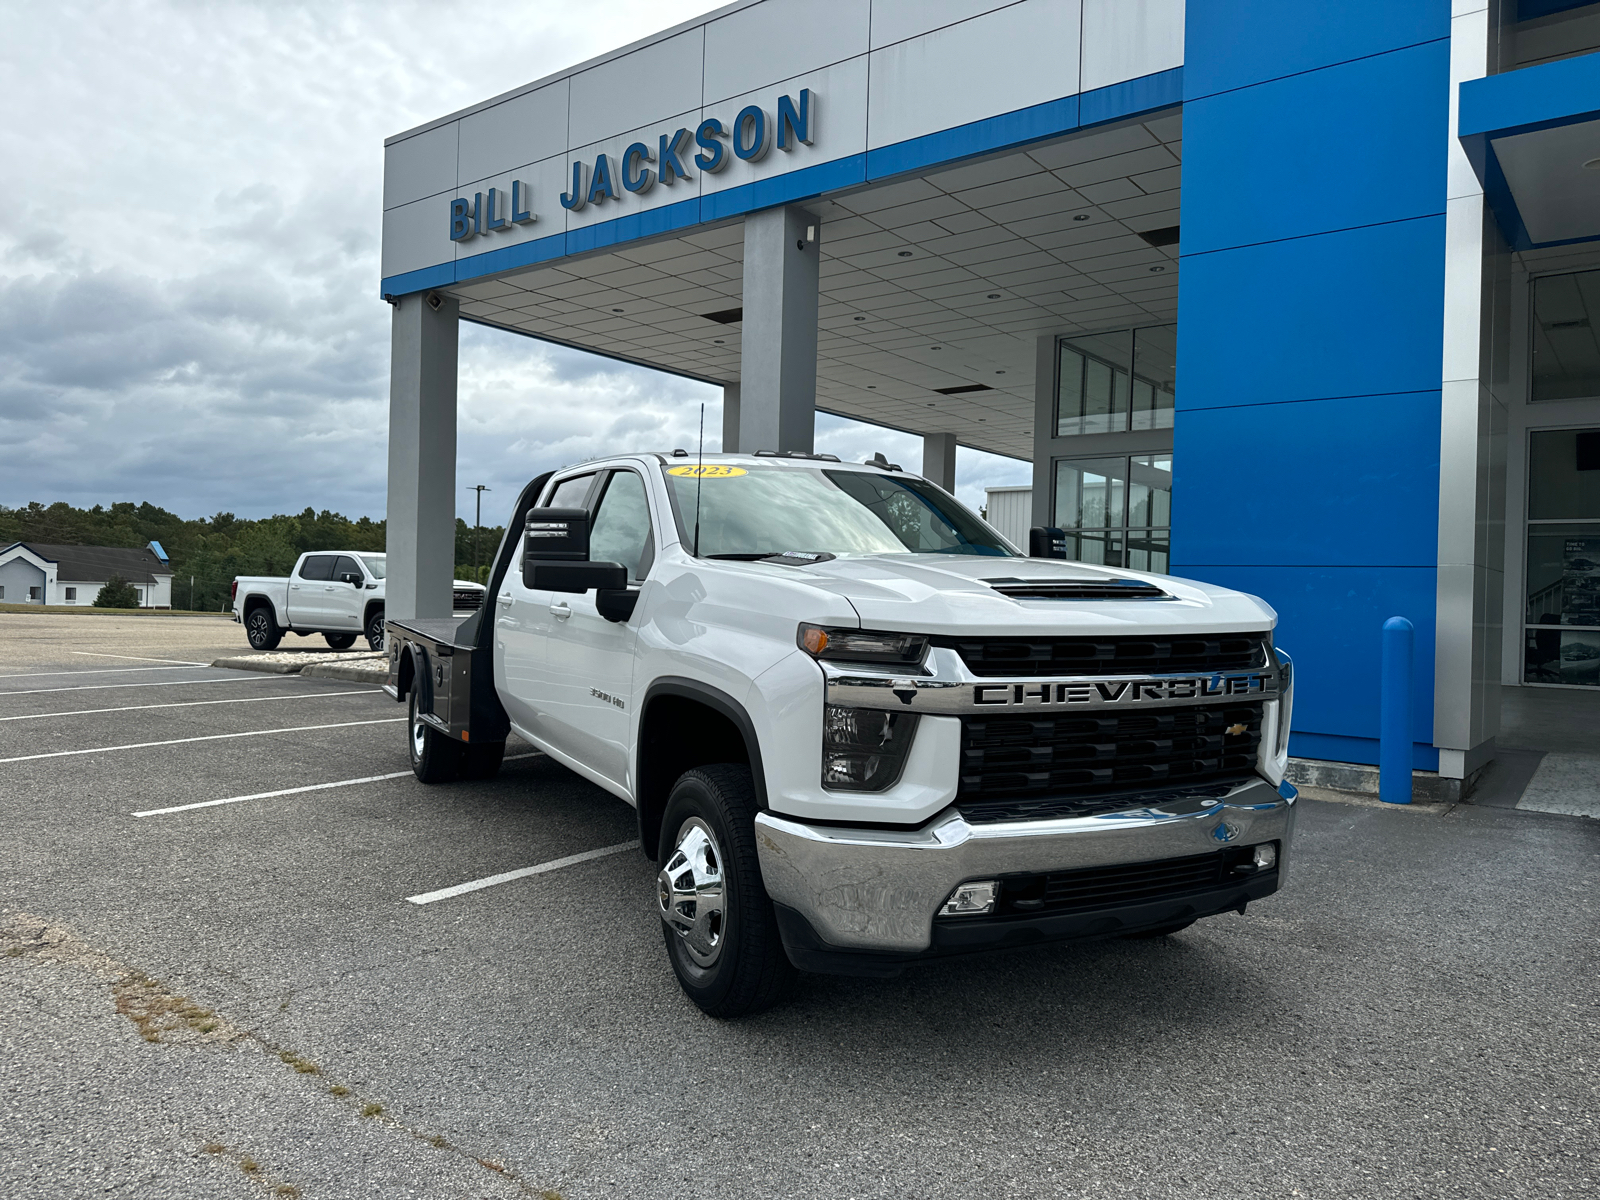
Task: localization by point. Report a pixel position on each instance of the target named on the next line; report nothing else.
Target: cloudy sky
(189, 258)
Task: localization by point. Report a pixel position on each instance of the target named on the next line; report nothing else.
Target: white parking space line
(183, 662)
(210, 737)
(95, 671)
(231, 677)
(295, 791)
(90, 712)
(555, 864)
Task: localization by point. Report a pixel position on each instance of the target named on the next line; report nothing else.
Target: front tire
(340, 641)
(721, 933)
(375, 634)
(434, 757)
(261, 630)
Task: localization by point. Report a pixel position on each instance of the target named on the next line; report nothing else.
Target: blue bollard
(1394, 720)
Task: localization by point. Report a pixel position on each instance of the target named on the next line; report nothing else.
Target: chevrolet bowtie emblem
(1236, 730)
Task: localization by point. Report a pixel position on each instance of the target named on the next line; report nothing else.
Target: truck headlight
(861, 645)
(864, 749)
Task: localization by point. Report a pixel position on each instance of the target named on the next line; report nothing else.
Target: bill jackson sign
(711, 147)
(940, 696)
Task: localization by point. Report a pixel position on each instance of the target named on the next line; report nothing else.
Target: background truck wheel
(261, 629)
(434, 757)
(721, 934)
(374, 630)
(1158, 931)
(481, 760)
(340, 641)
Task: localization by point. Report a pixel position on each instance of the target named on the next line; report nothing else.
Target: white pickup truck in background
(339, 594)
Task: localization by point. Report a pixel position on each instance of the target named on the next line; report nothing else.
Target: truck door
(311, 592)
(346, 599)
(588, 671)
(522, 625)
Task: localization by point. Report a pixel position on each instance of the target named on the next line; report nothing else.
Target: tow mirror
(556, 554)
(351, 577)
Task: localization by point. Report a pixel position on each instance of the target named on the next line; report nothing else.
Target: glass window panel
(1564, 575)
(570, 493)
(1566, 354)
(1564, 474)
(1149, 550)
(1150, 490)
(1090, 493)
(318, 566)
(621, 529)
(1155, 365)
(1092, 388)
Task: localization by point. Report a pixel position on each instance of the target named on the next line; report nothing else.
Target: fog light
(1266, 856)
(972, 899)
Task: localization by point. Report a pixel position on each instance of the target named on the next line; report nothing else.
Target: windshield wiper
(752, 556)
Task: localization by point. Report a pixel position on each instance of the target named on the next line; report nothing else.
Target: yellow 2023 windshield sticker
(714, 471)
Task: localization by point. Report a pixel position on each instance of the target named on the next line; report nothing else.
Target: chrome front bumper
(878, 890)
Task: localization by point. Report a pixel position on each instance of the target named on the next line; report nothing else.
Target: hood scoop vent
(1077, 589)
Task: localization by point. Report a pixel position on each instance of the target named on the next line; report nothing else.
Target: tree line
(215, 549)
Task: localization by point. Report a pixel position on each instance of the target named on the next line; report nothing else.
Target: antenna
(699, 474)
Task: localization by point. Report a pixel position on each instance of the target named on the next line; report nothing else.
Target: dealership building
(1291, 296)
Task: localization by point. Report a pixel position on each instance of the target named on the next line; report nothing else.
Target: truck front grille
(466, 600)
(1042, 765)
(1022, 657)
(1122, 884)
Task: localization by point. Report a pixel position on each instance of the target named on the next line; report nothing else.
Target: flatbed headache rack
(449, 662)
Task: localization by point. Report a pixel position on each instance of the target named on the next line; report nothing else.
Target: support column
(730, 418)
(778, 359)
(939, 460)
(422, 456)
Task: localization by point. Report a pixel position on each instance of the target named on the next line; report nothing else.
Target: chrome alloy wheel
(419, 737)
(691, 894)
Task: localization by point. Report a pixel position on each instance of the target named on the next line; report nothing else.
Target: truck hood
(955, 594)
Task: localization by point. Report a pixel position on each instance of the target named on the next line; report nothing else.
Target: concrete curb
(252, 664)
(1424, 808)
(353, 674)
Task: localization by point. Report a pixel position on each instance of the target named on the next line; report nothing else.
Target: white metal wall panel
(634, 90)
(522, 130)
(779, 39)
(417, 235)
(1005, 60)
(1124, 39)
(424, 165)
(840, 95)
(1011, 512)
(896, 20)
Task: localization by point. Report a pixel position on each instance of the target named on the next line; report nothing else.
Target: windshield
(757, 511)
(374, 564)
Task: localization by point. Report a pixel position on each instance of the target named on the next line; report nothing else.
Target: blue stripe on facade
(1556, 93)
(1150, 93)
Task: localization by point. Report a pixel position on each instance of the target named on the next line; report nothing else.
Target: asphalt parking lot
(238, 999)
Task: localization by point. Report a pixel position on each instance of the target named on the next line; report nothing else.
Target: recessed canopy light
(938, 347)
(994, 295)
(1081, 217)
(860, 318)
(930, 406)
(905, 254)
(616, 310)
(1592, 165)
(999, 372)
(717, 341)
(1156, 270)
(872, 387)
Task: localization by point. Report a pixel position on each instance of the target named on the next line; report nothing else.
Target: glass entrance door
(1561, 616)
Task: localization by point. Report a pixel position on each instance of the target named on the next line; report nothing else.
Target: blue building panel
(1330, 620)
(1365, 495)
(1353, 313)
(1236, 43)
(1293, 137)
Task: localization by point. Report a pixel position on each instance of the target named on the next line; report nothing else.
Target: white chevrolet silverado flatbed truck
(339, 594)
(860, 729)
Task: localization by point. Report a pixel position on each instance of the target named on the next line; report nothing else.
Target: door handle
(294, 587)
(560, 609)
(503, 600)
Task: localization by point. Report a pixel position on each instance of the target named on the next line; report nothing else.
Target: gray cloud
(189, 259)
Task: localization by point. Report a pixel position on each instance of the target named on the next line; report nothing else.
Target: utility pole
(477, 524)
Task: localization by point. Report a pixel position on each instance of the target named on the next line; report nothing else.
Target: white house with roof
(37, 573)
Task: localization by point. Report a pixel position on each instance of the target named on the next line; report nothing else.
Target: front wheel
(340, 641)
(375, 630)
(261, 629)
(720, 929)
(434, 757)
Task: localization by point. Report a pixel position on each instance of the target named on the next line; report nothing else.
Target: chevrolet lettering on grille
(1146, 691)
